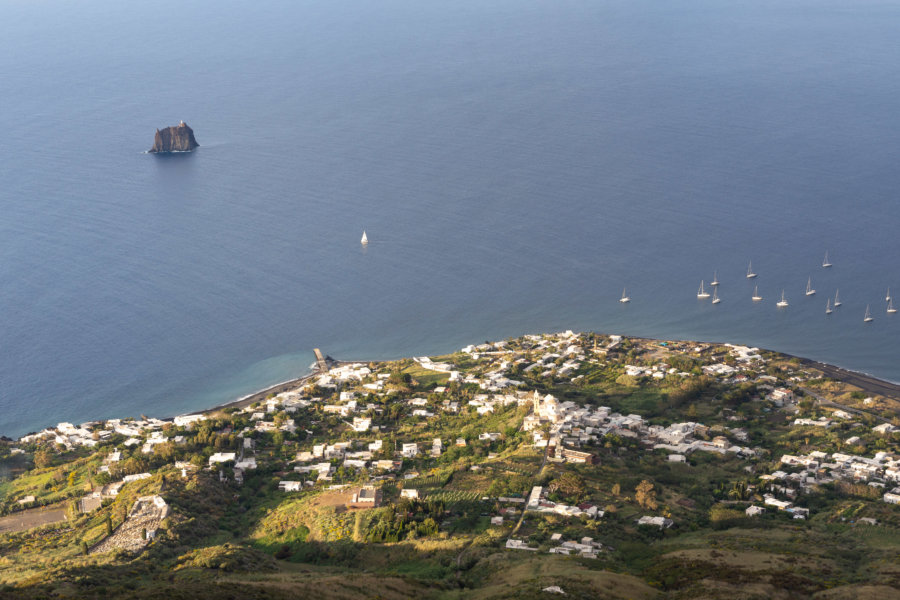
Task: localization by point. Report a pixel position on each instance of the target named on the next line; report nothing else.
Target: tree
(568, 484)
(645, 495)
(739, 491)
(43, 458)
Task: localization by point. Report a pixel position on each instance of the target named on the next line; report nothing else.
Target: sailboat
(891, 310)
(365, 238)
(809, 289)
(702, 293)
(887, 298)
(716, 298)
(715, 280)
(825, 263)
(837, 300)
(868, 318)
(624, 298)
(756, 296)
(750, 273)
(828, 307)
(781, 303)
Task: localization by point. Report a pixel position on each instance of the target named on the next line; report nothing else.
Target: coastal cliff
(179, 138)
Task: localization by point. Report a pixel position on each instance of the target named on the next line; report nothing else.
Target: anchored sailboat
(365, 238)
(756, 297)
(828, 307)
(624, 298)
(716, 298)
(809, 289)
(702, 293)
(868, 318)
(890, 308)
(715, 280)
(781, 303)
(750, 273)
(837, 300)
(825, 263)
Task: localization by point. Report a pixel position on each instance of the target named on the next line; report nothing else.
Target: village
(379, 435)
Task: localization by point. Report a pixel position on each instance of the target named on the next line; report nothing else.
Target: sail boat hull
(782, 303)
(702, 293)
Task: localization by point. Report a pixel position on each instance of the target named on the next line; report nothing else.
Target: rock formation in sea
(179, 138)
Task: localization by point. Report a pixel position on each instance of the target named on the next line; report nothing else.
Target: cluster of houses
(586, 547)
(568, 430)
(565, 426)
(539, 502)
(882, 472)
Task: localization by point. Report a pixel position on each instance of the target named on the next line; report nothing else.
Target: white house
(361, 424)
(661, 522)
(409, 450)
(185, 420)
(220, 457)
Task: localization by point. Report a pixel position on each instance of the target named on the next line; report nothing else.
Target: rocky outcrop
(179, 138)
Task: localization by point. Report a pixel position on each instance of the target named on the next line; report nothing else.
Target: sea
(515, 164)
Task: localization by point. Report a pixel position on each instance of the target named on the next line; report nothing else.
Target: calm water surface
(515, 163)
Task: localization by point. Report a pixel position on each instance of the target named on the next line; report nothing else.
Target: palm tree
(739, 491)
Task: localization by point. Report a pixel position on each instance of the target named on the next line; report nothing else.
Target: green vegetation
(448, 510)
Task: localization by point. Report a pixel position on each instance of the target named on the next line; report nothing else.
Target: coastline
(864, 381)
(261, 395)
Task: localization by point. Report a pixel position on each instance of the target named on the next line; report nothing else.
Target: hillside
(601, 466)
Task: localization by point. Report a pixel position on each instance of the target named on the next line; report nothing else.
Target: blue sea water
(515, 164)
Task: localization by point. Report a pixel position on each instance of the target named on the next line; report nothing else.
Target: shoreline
(864, 381)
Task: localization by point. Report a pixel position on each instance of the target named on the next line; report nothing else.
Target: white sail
(782, 303)
(701, 293)
(868, 318)
(750, 273)
(365, 238)
(624, 297)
